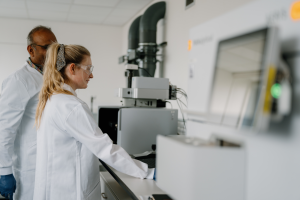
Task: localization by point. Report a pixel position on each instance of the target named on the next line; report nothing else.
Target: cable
(182, 102)
(182, 95)
(179, 102)
(182, 92)
(181, 112)
(179, 94)
(182, 115)
(145, 70)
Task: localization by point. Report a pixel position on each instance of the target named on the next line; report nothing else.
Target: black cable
(182, 94)
(146, 71)
(186, 99)
(182, 91)
(179, 93)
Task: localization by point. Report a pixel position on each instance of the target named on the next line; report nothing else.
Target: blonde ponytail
(53, 80)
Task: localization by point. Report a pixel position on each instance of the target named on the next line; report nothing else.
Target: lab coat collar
(32, 69)
(69, 88)
(39, 68)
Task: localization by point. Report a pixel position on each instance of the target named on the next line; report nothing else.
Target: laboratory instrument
(243, 66)
(142, 115)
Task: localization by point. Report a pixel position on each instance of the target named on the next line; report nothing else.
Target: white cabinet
(106, 194)
(110, 188)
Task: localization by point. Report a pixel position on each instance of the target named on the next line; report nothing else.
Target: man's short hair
(35, 29)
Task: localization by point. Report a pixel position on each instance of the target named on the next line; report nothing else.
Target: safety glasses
(87, 68)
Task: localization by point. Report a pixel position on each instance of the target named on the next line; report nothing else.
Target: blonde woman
(69, 141)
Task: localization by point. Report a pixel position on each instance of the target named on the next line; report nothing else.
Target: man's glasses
(45, 47)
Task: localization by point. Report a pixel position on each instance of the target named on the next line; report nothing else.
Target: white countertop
(139, 187)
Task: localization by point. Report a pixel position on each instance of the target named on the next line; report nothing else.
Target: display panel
(237, 80)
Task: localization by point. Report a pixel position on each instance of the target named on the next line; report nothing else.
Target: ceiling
(104, 12)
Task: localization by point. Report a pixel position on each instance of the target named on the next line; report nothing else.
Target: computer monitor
(246, 68)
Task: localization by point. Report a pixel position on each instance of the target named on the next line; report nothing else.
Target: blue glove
(7, 186)
(154, 176)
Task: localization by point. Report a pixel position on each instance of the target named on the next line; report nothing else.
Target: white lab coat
(68, 144)
(18, 103)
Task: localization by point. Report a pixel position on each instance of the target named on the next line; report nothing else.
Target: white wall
(104, 43)
(178, 23)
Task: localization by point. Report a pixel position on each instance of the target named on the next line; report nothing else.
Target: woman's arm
(81, 125)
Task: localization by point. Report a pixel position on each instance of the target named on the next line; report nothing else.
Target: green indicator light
(276, 90)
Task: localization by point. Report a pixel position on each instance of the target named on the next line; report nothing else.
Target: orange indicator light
(295, 10)
(190, 43)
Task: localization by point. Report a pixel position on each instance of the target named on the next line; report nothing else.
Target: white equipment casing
(131, 67)
(150, 94)
(147, 88)
(141, 93)
(149, 103)
(150, 83)
(271, 164)
(139, 127)
(189, 168)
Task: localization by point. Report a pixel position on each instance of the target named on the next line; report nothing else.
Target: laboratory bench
(118, 186)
